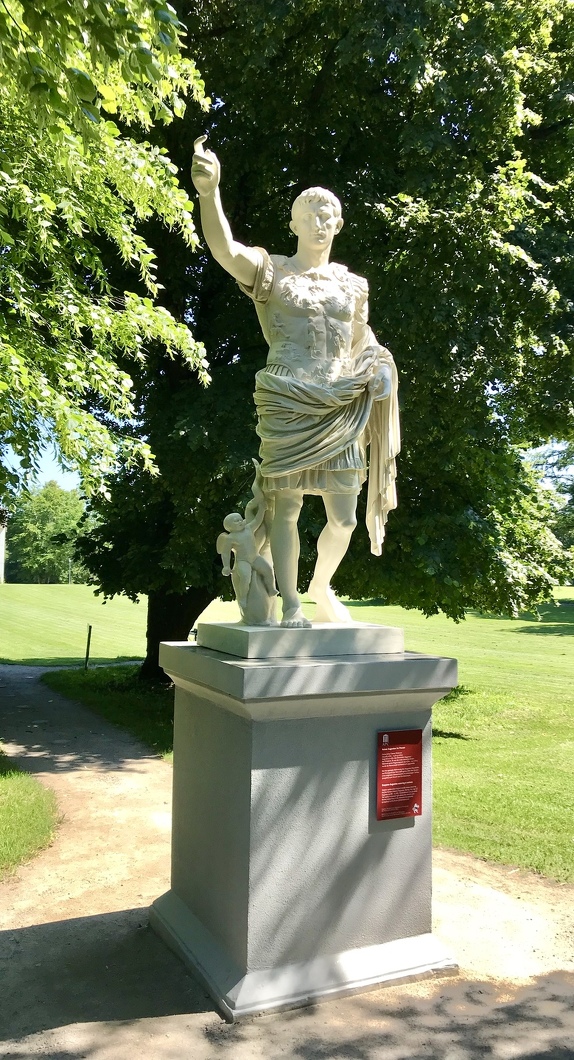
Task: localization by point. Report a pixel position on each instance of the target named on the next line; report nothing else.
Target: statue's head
(316, 213)
(317, 195)
(234, 521)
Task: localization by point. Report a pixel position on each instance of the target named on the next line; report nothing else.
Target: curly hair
(317, 195)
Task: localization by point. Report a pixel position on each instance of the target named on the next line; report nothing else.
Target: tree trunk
(170, 616)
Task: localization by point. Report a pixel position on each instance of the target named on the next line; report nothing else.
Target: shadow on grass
(457, 693)
(548, 629)
(444, 735)
(377, 601)
(556, 618)
(95, 660)
(552, 619)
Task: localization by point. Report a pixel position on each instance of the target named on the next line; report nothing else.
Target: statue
(252, 574)
(328, 390)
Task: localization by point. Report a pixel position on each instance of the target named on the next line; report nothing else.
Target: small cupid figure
(244, 542)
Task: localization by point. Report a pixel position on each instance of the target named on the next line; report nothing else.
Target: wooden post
(88, 647)
(3, 525)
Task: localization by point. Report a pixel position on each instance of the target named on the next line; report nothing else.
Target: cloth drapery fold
(304, 424)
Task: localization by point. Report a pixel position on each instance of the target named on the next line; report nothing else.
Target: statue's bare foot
(329, 608)
(294, 618)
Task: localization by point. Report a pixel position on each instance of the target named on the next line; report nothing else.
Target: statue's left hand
(380, 385)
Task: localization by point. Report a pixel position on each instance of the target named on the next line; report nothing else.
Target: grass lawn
(28, 816)
(47, 625)
(503, 746)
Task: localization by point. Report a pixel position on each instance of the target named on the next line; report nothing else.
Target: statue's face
(316, 224)
(234, 521)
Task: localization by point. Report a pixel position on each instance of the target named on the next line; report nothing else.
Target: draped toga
(316, 414)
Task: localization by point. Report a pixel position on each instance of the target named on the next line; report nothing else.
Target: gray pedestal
(285, 887)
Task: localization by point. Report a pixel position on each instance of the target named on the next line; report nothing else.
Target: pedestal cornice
(310, 687)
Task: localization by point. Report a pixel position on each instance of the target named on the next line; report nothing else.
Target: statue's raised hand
(205, 168)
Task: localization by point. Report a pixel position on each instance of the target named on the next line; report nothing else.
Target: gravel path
(81, 974)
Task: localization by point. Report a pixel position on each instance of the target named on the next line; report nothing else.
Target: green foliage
(28, 816)
(117, 694)
(74, 59)
(446, 129)
(556, 463)
(42, 529)
(564, 519)
(74, 193)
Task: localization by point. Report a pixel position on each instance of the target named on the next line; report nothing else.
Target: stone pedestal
(285, 887)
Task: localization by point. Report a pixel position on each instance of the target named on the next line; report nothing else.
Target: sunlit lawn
(47, 624)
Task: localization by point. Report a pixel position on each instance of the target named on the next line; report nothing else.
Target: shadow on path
(460, 1021)
(92, 968)
(58, 734)
(92, 987)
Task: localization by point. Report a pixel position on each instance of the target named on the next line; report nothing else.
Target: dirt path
(81, 975)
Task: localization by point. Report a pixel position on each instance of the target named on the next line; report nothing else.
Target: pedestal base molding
(292, 985)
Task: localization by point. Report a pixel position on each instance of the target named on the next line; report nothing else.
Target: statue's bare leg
(265, 570)
(341, 509)
(242, 572)
(284, 539)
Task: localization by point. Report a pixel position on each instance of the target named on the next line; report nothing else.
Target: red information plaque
(399, 773)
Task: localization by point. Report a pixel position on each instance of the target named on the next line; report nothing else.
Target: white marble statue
(328, 390)
(252, 574)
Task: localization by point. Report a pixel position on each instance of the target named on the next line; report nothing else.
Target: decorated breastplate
(310, 323)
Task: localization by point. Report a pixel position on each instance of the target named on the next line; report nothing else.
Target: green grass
(47, 625)
(503, 745)
(115, 693)
(28, 816)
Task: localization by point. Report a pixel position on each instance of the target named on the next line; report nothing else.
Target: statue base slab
(289, 884)
(322, 640)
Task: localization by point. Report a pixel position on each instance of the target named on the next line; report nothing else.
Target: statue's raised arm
(242, 262)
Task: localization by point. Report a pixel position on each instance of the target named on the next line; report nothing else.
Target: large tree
(556, 463)
(446, 130)
(42, 530)
(75, 187)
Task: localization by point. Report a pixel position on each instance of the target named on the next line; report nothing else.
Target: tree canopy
(446, 129)
(556, 462)
(42, 530)
(75, 188)
(71, 59)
